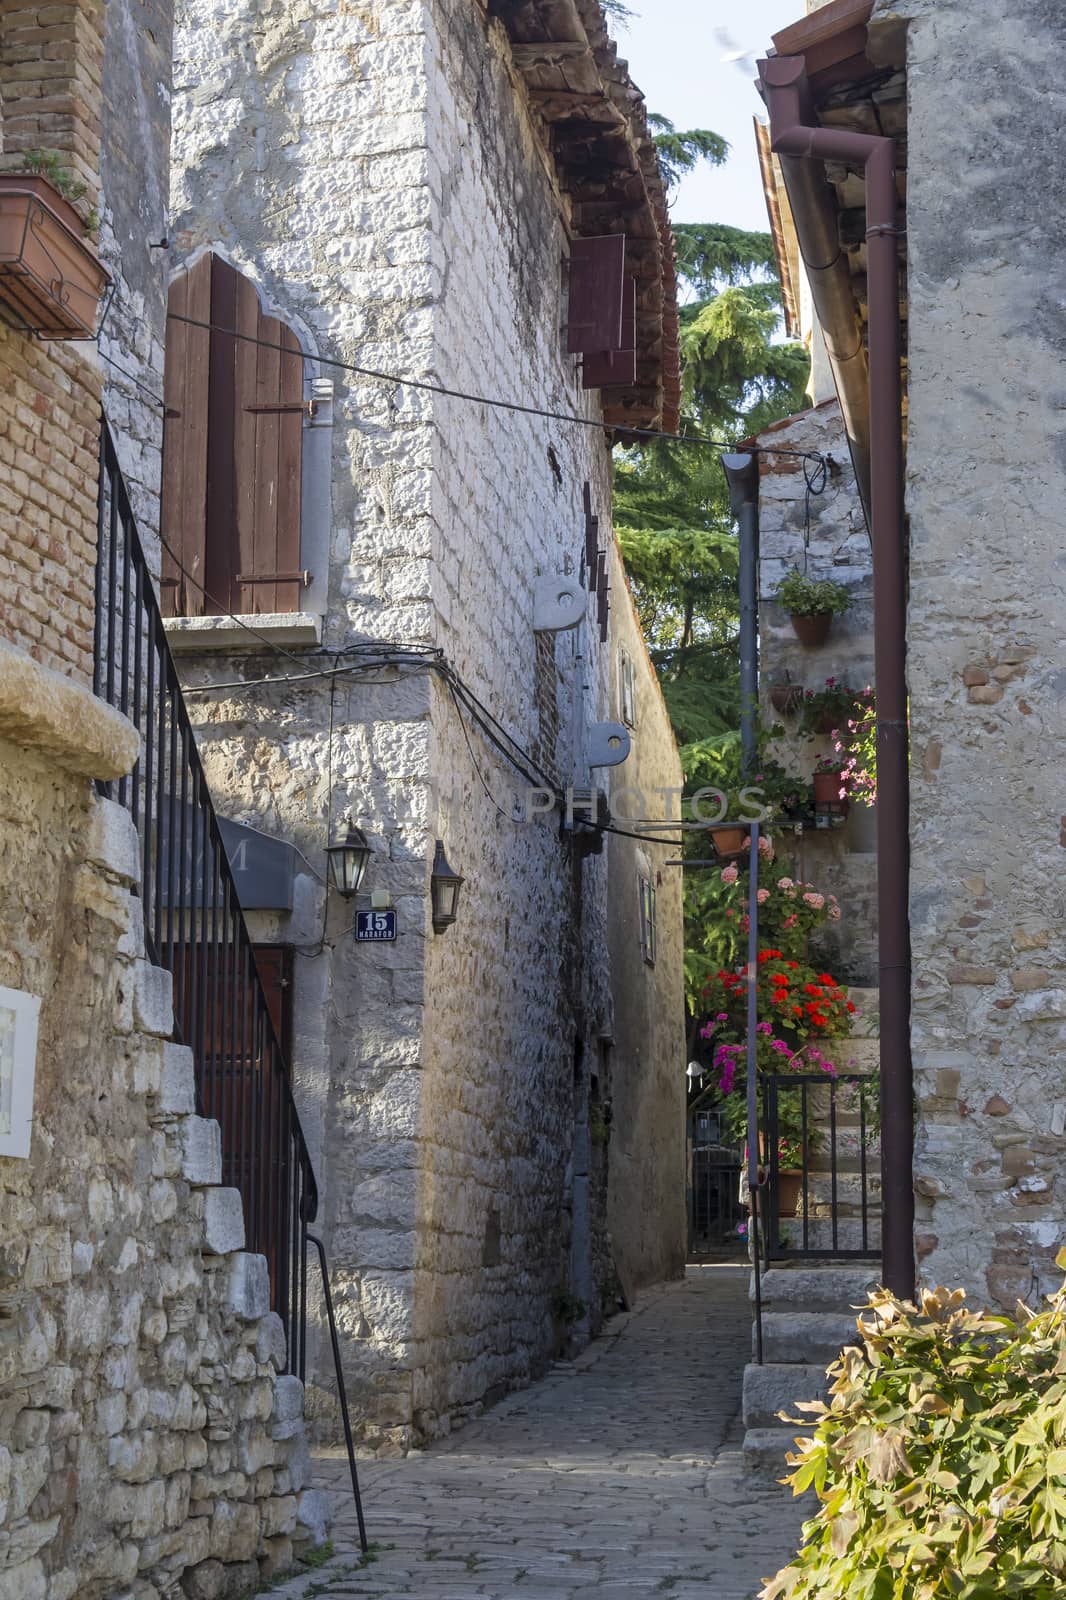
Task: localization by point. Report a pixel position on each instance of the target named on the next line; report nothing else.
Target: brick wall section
(49, 437)
(51, 59)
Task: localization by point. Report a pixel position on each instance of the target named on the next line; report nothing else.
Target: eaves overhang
(595, 127)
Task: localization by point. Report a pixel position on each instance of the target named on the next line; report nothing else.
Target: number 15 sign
(375, 927)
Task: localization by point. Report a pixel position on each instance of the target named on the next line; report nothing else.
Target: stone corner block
(312, 1517)
(249, 1286)
(223, 1222)
(271, 1346)
(287, 1417)
(153, 999)
(176, 1096)
(201, 1156)
(112, 841)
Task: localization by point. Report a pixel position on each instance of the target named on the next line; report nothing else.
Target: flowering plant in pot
(789, 910)
(829, 791)
(812, 603)
(828, 710)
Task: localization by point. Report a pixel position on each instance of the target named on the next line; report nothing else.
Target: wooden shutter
(184, 499)
(233, 444)
(603, 369)
(597, 293)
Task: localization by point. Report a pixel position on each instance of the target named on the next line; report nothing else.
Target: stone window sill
(216, 634)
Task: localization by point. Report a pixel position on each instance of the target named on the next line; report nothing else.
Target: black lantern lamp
(347, 861)
(444, 886)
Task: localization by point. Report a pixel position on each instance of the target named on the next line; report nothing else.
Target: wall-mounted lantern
(444, 886)
(347, 859)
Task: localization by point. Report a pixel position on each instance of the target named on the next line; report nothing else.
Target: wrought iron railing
(824, 1209)
(195, 928)
(193, 923)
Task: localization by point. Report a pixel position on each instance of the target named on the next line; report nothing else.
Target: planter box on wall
(51, 279)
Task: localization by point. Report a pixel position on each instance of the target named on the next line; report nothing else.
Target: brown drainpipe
(792, 133)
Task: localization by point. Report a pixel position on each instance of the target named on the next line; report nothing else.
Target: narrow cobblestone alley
(617, 1475)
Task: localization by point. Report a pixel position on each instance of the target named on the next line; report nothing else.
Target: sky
(675, 50)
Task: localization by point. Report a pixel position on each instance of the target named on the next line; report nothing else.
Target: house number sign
(375, 927)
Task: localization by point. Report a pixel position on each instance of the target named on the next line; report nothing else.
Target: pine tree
(671, 504)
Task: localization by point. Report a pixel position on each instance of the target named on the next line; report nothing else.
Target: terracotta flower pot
(827, 722)
(812, 630)
(789, 1190)
(728, 842)
(51, 279)
(827, 793)
(786, 698)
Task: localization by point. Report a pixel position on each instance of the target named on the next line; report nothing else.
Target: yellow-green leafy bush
(940, 1460)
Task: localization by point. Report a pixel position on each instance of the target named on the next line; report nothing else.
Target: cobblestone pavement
(616, 1476)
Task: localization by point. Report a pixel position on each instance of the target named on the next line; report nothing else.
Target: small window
(627, 691)
(647, 921)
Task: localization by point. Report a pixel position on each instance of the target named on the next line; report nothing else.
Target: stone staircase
(809, 1307)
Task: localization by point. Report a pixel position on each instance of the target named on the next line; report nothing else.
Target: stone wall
(840, 860)
(151, 1442)
(986, 483)
(383, 181)
(647, 1089)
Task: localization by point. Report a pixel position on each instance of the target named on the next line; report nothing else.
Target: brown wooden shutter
(184, 498)
(603, 369)
(232, 477)
(597, 291)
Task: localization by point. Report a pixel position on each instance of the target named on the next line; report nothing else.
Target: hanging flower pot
(811, 604)
(728, 841)
(51, 279)
(786, 698)
(811, 630)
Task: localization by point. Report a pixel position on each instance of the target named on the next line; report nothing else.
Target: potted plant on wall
(51, 279)
(828, 710)
(812, 603)
(829, 792)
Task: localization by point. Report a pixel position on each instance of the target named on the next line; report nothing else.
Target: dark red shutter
(597, 292)
(603, 369)
(233, 449)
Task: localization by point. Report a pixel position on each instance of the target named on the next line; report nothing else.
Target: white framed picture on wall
(18, 1063)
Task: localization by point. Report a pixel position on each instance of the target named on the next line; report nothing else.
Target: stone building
(966, 93)
(495, 1109)
(151, 1441)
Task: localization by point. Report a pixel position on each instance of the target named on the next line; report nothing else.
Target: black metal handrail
(193, 923)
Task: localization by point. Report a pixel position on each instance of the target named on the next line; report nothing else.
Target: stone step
(805, 1338)
(778, 1386)
(807, 1288)
(765, 1449)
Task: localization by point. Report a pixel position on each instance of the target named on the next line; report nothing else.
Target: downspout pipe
(792, 134)
(742, 476)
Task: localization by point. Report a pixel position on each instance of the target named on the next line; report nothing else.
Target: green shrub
(940, 1461)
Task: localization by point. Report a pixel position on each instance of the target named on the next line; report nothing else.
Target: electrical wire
(427, 387)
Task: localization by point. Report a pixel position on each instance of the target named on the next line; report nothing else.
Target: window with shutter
(232, 450)
(597, 294)
(606, 369)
